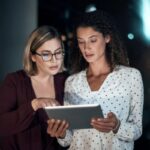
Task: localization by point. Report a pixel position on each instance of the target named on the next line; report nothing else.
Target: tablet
(78, 116)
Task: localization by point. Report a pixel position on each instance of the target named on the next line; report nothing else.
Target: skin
(49, 67)
(92, 46)
(43, 82)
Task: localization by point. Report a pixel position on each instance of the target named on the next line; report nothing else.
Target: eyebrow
(88, 37)
(50, 50)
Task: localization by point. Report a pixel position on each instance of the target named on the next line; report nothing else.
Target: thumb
(110, 115)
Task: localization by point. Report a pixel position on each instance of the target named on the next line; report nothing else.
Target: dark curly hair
(102, 22)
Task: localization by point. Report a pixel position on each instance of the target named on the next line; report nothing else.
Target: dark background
(19, 18)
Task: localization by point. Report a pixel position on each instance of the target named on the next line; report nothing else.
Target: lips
(89, 55)
(53, 67)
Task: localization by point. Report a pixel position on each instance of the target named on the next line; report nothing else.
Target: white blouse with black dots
(120, 93)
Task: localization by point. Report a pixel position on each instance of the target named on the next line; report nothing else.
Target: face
(47, 66)
(92, 44)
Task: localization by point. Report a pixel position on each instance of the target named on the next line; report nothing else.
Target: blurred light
(63, 37)
(66, 14)
(145, 14)
(90, 8)
(70, 35)
(130, 36)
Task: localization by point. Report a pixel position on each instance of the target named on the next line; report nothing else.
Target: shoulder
(77, 77)
(14, 78)
(128, 71)
(20, 74)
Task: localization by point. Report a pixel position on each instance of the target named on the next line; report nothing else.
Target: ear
(107, 38)
(33, 58)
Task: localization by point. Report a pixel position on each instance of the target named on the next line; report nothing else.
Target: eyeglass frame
(50, 54)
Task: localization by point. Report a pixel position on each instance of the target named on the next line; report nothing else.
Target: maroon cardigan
(20, 127)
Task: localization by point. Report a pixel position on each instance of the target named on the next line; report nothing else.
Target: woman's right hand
(43, 102)
(57, 128)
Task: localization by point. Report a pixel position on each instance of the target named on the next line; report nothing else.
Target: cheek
(60, 62)
(82, 53)
(81, 47)
(40, 63)
(102, 46)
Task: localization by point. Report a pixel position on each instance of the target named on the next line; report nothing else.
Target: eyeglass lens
(47, 56)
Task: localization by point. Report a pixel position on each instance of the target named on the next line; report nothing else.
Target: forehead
(87, 32)
(51, 45)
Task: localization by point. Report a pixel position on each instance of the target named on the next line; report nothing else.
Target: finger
(108, 124)
(54, 132)
(103, 130)
(110, 114)
(47, 102)
(56, 102)
(52, 102)
(101, 120)
(51, 123)
(103, 126)
(62, 129)
(43, 102)
(113, 118)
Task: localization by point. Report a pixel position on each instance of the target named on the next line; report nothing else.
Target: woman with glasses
(102, 75)
(24, 93)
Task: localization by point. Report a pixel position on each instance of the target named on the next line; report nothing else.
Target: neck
(43, 78)
(98, 69)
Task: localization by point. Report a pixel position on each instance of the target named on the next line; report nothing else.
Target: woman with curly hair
(102, 75)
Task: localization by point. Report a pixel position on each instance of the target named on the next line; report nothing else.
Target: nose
(53, 59)
(86, 46)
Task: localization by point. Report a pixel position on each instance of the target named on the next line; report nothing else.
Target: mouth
(89, 55)
(53, 67)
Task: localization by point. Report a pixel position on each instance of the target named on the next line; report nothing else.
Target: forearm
(129, 131)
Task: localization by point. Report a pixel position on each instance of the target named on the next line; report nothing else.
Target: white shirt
(120, 93)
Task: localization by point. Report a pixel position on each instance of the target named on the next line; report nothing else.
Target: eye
(93, 40)
(80, 42)
(45, 54)
(59, 52)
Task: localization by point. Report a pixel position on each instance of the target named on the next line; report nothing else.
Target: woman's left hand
(111, 123)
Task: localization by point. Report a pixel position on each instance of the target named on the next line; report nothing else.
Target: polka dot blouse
(120, 93)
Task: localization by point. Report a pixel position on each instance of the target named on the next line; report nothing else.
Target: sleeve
(13, 117)
(67, 140)
(131, 129)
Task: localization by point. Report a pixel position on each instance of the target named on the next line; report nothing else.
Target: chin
(89, 60)
(53, 72)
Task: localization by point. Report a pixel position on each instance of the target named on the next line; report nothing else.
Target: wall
(18, 18)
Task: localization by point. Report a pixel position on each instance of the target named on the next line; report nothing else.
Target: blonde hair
(35, 40)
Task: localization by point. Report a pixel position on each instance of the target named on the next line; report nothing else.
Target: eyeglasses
(47, 55)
